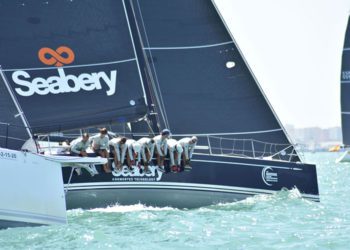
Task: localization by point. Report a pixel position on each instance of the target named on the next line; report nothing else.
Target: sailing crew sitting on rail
(161, 147)
(175, 150)
(117, 144)
(132, 148)
(147, 150)
(100, 146)
(188, 145)
(78, 146)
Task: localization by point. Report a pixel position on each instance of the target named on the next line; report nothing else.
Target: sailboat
(149, 65)
(32, 191)
(344, 89)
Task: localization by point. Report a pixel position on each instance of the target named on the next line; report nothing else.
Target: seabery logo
(137, 175)
(62, 83)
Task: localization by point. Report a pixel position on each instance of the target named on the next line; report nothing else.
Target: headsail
(71, 64)
(203, 85)
(345, 88)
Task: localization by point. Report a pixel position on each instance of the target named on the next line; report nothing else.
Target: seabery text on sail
(63, 83)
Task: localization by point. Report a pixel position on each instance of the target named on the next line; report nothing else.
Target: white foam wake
(130, 208)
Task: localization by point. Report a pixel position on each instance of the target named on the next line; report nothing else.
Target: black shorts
(75, 154)
(98, 151)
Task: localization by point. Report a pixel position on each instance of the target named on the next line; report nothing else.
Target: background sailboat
(345, 101)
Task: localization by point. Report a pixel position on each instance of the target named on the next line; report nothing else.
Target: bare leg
(158, 160)
(147, 161)
(104, 154)
(128, 160)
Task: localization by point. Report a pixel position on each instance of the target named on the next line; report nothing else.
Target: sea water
(280, 221)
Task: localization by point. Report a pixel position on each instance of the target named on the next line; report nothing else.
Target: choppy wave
(281, 220)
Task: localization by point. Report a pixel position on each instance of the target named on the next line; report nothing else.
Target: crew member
(78, 146)
(175, 150)
(100, 146)
(147, 150)
(161, 147)
(132, 150)
(117, 144)
(188, 144)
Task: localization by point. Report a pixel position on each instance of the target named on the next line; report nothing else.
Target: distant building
(315, 138)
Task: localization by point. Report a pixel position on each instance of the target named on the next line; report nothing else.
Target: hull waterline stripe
(175, 185)
(187, 47)
(75, 66)
(30, 217)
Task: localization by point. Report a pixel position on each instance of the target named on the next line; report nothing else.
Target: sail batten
(189, 47)
(75, 66)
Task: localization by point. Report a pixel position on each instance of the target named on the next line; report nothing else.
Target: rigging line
(148, 74)
(153, 92)
(157, 89)
(235, 133)
(154, 69)
(133, 45)
(76, 66)
(189, 47)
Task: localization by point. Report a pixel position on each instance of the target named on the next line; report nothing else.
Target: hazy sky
(294, 49)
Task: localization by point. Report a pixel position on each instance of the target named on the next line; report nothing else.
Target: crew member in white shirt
(100, 146)
(132, 150)
(161, 147)
(117, 144)
(188, 144)
(147, 150)
(78, 146)
(175, 151)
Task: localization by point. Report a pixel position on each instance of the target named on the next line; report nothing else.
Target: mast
(152, 119)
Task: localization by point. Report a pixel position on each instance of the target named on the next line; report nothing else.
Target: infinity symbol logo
(59, 57)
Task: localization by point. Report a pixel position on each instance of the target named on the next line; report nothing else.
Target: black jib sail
(201, 83)
(71, 64)
(345, 88)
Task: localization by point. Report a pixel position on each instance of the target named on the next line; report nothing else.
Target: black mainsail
(71, 64)
(345, 88)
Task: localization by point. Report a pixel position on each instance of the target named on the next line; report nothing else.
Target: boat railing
(9, 134)
(247, 148)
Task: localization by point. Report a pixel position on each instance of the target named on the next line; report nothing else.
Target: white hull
(345, 157)
(32, 191)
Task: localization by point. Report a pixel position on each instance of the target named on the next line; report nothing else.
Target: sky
(294, 48)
